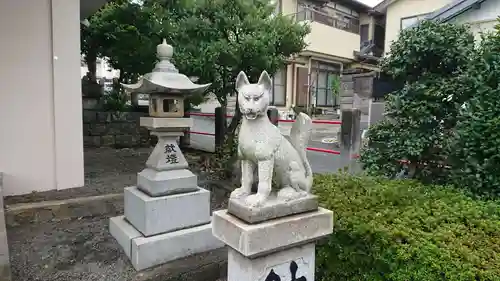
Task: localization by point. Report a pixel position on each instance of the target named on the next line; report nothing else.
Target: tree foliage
(219, 38)
(475, 157)
(428, 61)
(125, 33)
(212, 39)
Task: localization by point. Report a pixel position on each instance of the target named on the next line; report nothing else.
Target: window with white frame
(278, 95)
(411, 21)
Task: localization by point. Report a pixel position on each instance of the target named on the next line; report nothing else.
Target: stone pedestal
(281, 248)
(167, 216)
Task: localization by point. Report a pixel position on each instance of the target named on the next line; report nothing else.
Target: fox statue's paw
(255, 200)
(239, 193)
(289, 193)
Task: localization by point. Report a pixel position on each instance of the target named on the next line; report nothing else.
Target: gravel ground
(109, 170)
(82, 249)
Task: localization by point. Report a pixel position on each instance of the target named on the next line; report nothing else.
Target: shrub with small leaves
(475, 153)
(403, 230)
(427, 60)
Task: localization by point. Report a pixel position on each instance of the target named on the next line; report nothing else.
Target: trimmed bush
(475, 153)
(402, 230)
(421, 115)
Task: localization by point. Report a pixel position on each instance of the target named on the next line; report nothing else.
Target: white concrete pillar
(67, 96)
(40, 102)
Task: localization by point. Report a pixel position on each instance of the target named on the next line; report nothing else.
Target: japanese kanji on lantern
(167, 216)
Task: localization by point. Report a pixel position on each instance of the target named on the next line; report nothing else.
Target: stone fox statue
(262, 147)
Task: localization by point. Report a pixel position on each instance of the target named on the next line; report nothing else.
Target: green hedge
(403, 231)
(475, 149)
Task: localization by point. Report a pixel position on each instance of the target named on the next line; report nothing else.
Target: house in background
(346, 37)
(103, 70)
(41, 143)
(481, 15)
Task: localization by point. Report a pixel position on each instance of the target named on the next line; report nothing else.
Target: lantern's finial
(164, 51)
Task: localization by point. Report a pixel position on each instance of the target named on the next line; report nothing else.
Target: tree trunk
(91, 61)
(235, 121)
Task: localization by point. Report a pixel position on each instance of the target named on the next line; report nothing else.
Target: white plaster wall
(204, 124)
(483, 19)
(40, 102)
(329, 40)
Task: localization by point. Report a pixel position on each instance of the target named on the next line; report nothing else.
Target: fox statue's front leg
(265, 183)
(247, 172)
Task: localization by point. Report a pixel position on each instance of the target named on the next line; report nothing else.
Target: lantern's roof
(157, 82)
(165, 77)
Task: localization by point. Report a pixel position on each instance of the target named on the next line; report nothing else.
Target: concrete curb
(86, 206)
(46, 211)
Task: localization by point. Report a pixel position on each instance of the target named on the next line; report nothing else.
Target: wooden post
(220, 127)
(273, 115)
(185, 140)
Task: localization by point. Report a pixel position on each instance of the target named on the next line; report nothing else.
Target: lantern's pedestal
(277, 249)
(167, 216)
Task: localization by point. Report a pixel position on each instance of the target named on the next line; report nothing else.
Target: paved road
(321, 162)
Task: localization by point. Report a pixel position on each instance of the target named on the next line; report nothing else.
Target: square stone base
(162, 123)
(155, 215)
(273, 208)
(146, 252)
(293, 264)
(255, 240)
(161, 183)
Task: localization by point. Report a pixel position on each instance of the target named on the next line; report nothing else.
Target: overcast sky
(370, 2)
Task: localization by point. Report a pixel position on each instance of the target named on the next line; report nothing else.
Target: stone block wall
(114, 129)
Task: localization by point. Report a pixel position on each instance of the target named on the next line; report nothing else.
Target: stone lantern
(167, 88)
(167, 216)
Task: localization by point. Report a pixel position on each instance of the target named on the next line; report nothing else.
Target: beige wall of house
(40, 102)
(327, 44)
(328, 40)
(288, 7)
(406, 8)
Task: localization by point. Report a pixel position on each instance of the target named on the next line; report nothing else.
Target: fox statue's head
(253, 99)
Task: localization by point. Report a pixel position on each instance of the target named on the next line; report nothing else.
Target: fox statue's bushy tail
(299, 137)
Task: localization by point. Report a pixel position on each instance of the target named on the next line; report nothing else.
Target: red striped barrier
(205, 114)
(201, 133)
(324, 150)
(330, 122)
(329, 151)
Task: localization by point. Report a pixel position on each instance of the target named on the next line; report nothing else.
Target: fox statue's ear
(241, 80)
(265, 80)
